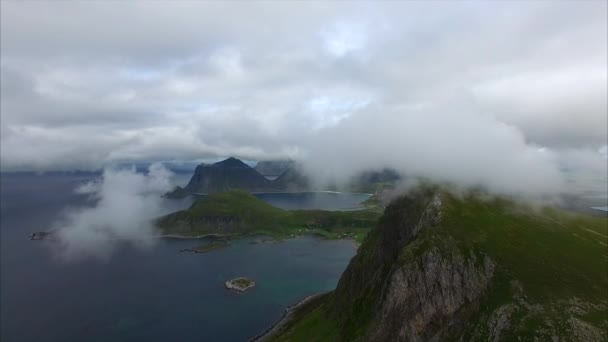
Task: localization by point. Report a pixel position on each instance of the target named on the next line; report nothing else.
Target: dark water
(315, 200)
(144, 295)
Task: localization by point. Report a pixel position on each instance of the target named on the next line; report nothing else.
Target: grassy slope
(553, 253)
(556, 256)
(258, 216)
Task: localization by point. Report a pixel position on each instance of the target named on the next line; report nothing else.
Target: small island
(41, 236)
(240, 284)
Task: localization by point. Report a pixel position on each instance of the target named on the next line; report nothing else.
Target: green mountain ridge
(439, 267)
(233, 174)
(239, 212)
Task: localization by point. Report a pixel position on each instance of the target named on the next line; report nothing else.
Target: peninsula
(441, 267)
(235, 213)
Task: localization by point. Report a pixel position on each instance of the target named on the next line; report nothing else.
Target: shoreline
(186, 237)
(293, 192)
(285, 318)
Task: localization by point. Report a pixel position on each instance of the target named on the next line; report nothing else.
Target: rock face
(226, 175)
(240, 284)
(402, 290)
(440, 267)
(233, 174)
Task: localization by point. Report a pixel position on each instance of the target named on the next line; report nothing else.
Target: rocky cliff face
(233, 174)
(226, 175)
(398, 288)
(442, 268)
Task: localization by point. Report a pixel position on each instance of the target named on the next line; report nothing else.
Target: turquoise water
(158, 294)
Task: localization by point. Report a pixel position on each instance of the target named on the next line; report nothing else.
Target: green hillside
(239, 212)
(449, 268)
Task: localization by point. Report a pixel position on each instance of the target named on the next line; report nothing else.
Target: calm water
(145, 295)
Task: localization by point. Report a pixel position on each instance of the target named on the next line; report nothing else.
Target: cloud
(87, 84)
(125, 203)
(442, 142)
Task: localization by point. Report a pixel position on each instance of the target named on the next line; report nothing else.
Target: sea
(157, 293)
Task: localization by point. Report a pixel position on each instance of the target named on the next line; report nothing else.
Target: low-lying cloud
(438, 142)
(501, 94)
(125, 204)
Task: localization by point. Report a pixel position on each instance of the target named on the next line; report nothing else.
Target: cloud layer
(126, 202)
(497, 93)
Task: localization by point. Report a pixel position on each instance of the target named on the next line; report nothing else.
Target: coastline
(285, 318)
(177, 236)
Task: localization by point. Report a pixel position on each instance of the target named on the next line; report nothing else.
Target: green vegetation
(553, 253)
(239, 212)
(550, 278)
(314, 326)
(242, 282)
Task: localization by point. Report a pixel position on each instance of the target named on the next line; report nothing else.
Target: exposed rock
(426, 296)
(240, 284)
(233, 174)
(425, 273)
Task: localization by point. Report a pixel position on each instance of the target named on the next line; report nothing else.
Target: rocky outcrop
(233, 174)
(407, 285)
(226, 175)
(430, 296)
(440, 267)
(240, 284)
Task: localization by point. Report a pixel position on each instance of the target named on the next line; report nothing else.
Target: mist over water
(124, 205)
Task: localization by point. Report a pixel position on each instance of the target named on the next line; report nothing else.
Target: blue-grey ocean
(156, 294)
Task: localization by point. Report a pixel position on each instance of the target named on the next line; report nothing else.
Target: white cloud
(87, 84)
(125, 205)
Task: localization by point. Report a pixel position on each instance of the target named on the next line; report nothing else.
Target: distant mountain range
(233, 174)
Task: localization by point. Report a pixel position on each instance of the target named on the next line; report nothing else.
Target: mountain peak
(232, 162)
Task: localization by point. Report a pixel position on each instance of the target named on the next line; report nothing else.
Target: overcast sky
(423, 87)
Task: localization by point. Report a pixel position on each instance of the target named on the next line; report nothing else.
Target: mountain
(226, 175)
(273, 168)
(233, 174)
(292, 180)
(470, 268)
(239, 212)
(374, 180)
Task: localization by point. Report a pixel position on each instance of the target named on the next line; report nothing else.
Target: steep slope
(233, 174)
(442, 268)
(226, 175)
(292, 180)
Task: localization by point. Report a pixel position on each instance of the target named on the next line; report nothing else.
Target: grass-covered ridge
(239, 212)
(550, 278)
(552, 252)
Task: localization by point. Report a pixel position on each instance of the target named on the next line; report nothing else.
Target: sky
(505, 94)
